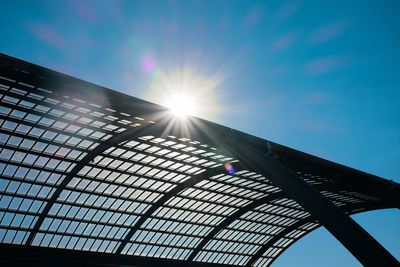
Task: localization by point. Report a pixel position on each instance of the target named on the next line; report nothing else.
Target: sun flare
(182, 104)
(187, 91)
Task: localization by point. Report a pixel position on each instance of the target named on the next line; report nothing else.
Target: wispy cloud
(328, 32)
(283, 41)
(253, 16)
(324, 64)
(85, 9)
(47, 34)
(223, 22)
(287, 10)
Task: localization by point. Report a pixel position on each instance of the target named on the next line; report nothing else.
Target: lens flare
(148, 64)
(195, 86)
(229, 168)
(182, 105)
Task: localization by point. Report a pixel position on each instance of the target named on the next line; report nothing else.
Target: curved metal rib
(180, 187)
(385, 190)
(252, 206)
(276, 238)
(298, 224)
(349, 233)
(137, 131)
(232, 218)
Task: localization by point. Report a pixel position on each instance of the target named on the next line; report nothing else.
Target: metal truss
(89, 172)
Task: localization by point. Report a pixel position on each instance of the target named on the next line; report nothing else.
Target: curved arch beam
(236, 215)
(276, 238)
(165, 198)
(358, 241)
(385, 190)
(116, 139)
(241, 212)
(296, 225)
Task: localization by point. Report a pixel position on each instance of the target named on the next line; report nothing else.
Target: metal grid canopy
(85, 168)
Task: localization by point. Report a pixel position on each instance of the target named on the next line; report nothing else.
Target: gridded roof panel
(89, 169)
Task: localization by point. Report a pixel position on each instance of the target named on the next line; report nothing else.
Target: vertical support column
(361, 244)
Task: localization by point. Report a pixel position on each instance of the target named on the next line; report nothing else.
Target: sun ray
(182, 104)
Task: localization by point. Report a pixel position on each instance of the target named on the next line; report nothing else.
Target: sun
(186, 92)
(182, 104)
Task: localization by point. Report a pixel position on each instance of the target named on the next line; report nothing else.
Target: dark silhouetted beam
(361, 244)
(284, 232)
(22, 256)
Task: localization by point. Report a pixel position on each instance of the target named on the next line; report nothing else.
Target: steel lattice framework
(91, 171)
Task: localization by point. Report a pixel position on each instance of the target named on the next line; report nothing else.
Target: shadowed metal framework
(91, 171)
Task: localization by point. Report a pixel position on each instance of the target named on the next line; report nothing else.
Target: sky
(317, 76)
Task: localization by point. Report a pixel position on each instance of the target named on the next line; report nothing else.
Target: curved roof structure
(89, 170)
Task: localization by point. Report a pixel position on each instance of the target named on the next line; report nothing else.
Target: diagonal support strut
(359, 242)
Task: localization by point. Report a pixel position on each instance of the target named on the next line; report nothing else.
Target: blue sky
(318, 76)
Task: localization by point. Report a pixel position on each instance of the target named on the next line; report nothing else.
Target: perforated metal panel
(86, 168)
